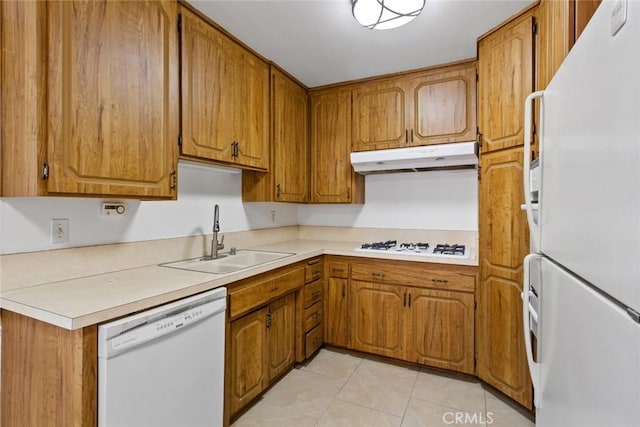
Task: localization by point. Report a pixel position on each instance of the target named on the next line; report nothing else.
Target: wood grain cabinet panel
(377, 318)
(49, 374)
(505, 68)
(434, 106)
(336, 309)
(225, 98)
(249, 358)
(379, 116)
(333, 179)
(443, 107)
(90, 106)
(504, 242)
(281, 335)
(288, 176)
(440, 329)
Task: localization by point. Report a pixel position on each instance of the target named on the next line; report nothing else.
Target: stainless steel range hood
(461, 155)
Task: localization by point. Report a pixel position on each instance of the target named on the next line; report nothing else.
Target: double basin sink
(228, 263)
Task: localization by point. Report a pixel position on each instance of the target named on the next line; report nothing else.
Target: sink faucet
(215, 245)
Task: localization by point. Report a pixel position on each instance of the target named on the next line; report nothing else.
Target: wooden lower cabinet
(440, 329)
(336, 314)
(248, 364)
(49, 374)
(377, 318)
(422, 313)
(281, 335)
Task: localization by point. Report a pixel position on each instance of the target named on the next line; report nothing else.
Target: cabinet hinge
(475, 305)
(479, 174)
(477, 77)
(475, 362)
(269, 319)
(174, 180)
(45, 171)
(179, 22)
(180, 141)
(534, 28)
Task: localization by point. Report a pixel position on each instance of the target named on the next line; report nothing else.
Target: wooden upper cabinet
(106, 123)
(288, 176)
(333, 179)
(225, 97)
(505, 68)
(379, 115)
(560, 23)
(443, 107)
(433, 106)
(207, 74)
(290, 139)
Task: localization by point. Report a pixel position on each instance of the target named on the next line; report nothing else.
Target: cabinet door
(584, 10)
(281, 335)
(332, 177)
(251, 110)
(377, 318)
(504, 242)
(249, 355)
(207, 66)
(112, 97)
(440, 329)
(379, 116)
(443, 106)
(505, 68)
(555, 38)
(290, 139)
(336, 317)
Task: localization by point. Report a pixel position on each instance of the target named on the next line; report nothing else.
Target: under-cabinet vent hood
(415, 159)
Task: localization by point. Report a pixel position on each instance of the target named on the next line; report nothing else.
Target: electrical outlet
(59, 230)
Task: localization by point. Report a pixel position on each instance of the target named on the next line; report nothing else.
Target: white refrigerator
(581, 294)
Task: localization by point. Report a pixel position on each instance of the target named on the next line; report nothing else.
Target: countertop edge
(209, 281)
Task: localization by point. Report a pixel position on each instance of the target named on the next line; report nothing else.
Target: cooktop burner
(420, 249)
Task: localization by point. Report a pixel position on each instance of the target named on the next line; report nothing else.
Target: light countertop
(84, 301)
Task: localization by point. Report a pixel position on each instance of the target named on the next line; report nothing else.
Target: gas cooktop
(419, 249)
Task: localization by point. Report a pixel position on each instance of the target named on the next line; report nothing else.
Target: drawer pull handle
(316, 294)
(344, 290)
(380, 275)
(404, 300)
(337, 270)
(315, 316)
(314, 262)
(439, 281)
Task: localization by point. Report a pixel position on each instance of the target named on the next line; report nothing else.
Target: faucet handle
(221, 243)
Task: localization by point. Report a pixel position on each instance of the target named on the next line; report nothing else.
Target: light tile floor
(338, 388)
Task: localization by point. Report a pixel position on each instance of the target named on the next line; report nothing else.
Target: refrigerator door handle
(534, 368)
(528, 118)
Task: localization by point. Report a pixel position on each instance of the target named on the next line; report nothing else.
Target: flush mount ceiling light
(385, 14)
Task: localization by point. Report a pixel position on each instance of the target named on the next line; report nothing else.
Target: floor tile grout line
(415, 382)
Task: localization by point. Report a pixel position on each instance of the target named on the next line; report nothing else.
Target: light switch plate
(618, 16)
(59, 230)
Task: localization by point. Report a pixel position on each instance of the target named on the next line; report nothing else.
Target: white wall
(25, 222)
(442, 200)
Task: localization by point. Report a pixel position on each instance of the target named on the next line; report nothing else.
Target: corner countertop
(84, 301)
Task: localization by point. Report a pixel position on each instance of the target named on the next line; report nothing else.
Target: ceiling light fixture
(386, 14)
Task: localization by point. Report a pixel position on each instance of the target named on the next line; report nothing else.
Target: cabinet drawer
(339, 269)
(254, 292)
(313, 270)
(415, 275)
(313, 293)
(313, 316)
(313, 340)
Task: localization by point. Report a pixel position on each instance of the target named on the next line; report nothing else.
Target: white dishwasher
(165, 366)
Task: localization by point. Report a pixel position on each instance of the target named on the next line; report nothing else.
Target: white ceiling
(319, 42)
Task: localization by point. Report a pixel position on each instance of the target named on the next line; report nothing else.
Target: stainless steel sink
(244, 258)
